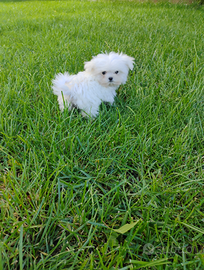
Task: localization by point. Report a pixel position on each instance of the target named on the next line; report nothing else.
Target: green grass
(67, 183)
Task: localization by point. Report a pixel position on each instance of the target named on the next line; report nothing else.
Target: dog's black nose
(110, 79)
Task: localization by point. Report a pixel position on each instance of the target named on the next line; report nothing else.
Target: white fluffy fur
(86, 90)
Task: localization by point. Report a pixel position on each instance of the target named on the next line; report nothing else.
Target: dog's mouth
(111, 84)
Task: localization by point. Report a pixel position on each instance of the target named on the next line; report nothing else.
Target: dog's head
(110, 69)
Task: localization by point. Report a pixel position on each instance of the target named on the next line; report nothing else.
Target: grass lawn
(122, 191)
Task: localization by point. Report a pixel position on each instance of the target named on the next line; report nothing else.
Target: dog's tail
(60, 84)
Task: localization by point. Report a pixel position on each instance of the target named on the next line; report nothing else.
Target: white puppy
(86, 90)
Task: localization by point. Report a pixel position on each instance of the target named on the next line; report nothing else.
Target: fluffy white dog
(86, 90)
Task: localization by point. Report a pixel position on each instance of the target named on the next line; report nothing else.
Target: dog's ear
(89, 66)
(129, 61)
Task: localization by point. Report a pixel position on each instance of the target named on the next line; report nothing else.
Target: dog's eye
(104, 72)
(116, 72)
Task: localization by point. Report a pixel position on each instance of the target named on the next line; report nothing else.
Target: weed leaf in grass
(126, 227)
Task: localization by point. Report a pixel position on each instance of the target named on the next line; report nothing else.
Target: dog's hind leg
(64, 102)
